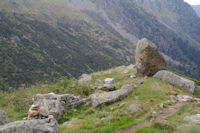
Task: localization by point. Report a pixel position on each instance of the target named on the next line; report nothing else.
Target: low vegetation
(105, 119)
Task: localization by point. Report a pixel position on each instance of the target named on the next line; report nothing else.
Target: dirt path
(166, 112)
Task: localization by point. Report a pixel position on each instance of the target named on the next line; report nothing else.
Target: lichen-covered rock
(3, 118)
(85, 78)
(148, 59)
(135, 107)
(193, 119)
(56, 105)
(176, 80)
(185, 98)
(110, 97)
(48, 125)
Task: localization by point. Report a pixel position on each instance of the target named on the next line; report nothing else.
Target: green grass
(86, 119)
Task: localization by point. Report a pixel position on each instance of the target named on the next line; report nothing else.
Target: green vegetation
(109, 118)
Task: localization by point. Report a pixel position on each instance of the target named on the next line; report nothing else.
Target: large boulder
(56, 105)
(3, 118)
(110, 97)
(148, 59)
(176, 80)
(48, 125)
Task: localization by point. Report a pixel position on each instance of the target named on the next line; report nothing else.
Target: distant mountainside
(45, 39)
(197, 9)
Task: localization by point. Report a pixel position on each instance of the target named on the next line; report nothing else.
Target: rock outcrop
(48, 125)
(3, 118)
(176, 80)
(56, 105)
(85, 78)
(193, 119)
(110, 97)
(148, 59)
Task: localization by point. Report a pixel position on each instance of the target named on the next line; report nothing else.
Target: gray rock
(109, 84)
(85, 78)
(110, 97)
(48, 125)
(58, 104)
(131, 66)
(184, 98)
(140, 81)
(135, 107)
(3, 118)
(193, 119)
(176, 80)
(131, 75)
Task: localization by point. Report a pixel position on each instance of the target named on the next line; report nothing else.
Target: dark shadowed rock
(110, 97)
(148, 59)
(176, 80)
(48, 125)
(3, 118)
(58, 104)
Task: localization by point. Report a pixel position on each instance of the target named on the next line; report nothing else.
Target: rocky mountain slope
(43, 39)
(197, 9)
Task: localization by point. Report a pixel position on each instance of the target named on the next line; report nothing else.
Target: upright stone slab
(148, 59)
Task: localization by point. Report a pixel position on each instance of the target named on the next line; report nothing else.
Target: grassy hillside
(87, 119)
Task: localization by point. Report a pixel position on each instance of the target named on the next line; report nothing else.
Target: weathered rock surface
(3, 118)
(176, 80)
(57, 104)
(48, 125)
(148, 59)
(193, 119)
(185, 98)
(135, 107)
(85, 78)
(37, 112)
(110, 97)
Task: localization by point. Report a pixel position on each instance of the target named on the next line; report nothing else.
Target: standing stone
(3, 118)
(148, 59)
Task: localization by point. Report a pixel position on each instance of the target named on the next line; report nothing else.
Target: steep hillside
(197, 9)
(153, 96)
(45, 39)
(35, 50)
